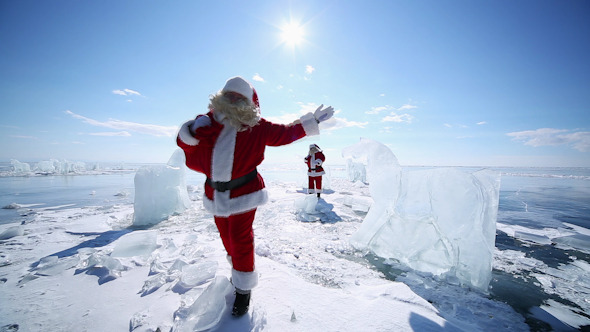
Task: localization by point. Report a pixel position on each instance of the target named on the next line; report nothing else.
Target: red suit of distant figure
(314, 160)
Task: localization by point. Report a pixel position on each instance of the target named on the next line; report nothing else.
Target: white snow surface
(60, 274)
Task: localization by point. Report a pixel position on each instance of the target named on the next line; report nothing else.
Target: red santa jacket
(314, 164)
(222, 153)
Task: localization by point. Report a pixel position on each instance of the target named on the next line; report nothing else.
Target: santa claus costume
(314, 160)
(227, 144)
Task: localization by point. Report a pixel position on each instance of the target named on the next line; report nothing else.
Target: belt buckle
(221, 186)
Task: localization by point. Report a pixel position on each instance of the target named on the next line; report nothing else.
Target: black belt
(233, 184)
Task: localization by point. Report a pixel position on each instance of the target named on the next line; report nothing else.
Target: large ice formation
(440, 221)
(160, 191)
(19, 167)
(356, 171)
(47, 167)
(54, 166)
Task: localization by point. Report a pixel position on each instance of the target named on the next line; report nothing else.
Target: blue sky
(456, 83)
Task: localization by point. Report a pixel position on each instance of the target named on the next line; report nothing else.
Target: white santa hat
(241, 86)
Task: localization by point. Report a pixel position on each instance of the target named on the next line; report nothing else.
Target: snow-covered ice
(93, 269)
(61, 274)
(207, 310)
(138, 243)
(12, 232)
(77, 284)
(312, 208)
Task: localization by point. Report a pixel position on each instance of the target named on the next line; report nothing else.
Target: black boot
(241, 304)
(318, 195)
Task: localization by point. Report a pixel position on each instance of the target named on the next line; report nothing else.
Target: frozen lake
(542, 250)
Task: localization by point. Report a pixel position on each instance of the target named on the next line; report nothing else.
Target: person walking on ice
(227, 144)
(314, 161)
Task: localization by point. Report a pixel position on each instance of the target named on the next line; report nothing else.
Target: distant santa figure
(314, 161)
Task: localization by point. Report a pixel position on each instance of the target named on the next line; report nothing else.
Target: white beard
(241, 115)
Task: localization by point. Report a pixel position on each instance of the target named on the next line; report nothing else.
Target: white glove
(322, 115)
(200, 121)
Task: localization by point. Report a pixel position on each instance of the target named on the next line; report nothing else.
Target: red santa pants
(238, 239)
(315, 182)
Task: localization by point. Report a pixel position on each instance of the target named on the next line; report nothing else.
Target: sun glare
(292, 33)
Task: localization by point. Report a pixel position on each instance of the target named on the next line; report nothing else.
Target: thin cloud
(126, 92)
(553, 137)
(407, 107)
(258, 78)
(396, 114)
(334, 123)
(398, 118)
(448, 125)
(306, 108)
(309, 69)
(10, 127)
(338, 123)
(23, 136)
(112, 134)
(284, 118)
(148, 129)
(378, 109)
(290, 117)
(481, 123)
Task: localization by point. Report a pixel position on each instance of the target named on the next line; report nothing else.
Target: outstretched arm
(307, 125)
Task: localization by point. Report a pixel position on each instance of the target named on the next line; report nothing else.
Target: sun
(292, 33)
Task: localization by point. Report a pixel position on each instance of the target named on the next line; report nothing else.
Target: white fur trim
(185, 134)
(223, 206)
(222, 160)
(244, 280)
(310, 125)
(314, 173)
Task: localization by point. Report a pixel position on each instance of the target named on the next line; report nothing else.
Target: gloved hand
(200, 121)
(322, 115)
